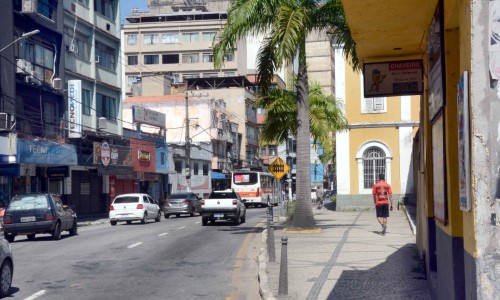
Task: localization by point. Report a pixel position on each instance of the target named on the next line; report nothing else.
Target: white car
(134, 207)
(6, 268)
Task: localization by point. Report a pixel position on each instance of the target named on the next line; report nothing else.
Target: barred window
(178, 166)
(373, 164)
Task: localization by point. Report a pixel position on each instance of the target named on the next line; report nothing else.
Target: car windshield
(222, 195)
(127, 199)
(177, 196)
(28, 202)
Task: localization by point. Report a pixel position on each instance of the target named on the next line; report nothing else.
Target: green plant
(290, 211)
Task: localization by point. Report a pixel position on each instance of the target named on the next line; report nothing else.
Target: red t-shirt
(381, 190)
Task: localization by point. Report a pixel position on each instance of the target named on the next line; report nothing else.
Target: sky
(126, 5)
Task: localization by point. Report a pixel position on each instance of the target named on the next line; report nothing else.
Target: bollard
(269, 215)
(271, 248)
(283, 284)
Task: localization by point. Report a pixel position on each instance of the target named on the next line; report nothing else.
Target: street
(177, 258)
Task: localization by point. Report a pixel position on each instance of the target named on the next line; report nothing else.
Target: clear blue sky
(126, 5)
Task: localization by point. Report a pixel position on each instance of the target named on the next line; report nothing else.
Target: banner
(75, 109)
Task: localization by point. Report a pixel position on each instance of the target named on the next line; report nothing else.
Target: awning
(217, 175)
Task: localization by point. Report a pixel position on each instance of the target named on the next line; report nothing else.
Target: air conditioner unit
(97, 59)
(30, 7)
(24, 67)
(71, 48)
(102, 123)
(4, 121)
(57, 84)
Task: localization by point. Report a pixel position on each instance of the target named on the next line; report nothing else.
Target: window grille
(373, 164)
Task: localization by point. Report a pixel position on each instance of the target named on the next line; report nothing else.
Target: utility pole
(188, 149)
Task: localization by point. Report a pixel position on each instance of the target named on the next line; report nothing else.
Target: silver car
(181, 203)
(6, 268)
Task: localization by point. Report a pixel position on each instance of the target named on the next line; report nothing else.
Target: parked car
(6, 268)
(223, 205)
(181, 203)
(33, 214)
(134, 207)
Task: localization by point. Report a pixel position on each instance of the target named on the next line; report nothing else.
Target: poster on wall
(438, 167)
(435, 57)
(463, 142)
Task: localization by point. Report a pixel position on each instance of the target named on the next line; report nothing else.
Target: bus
(255, 188)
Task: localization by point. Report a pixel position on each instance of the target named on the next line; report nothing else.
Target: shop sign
(148, 116)
(57, 172)
(143, 155)
(105, 153)
(10, 170)
(111, 155)
(75, 108)
(45, 152)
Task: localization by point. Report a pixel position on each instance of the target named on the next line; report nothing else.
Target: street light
(25, 35)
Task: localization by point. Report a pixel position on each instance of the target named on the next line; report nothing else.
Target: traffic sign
(279, 168)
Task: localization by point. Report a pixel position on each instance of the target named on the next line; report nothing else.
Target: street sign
(278, 168)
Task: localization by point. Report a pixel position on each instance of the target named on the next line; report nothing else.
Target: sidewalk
(347, 259)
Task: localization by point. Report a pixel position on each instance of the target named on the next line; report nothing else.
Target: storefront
(144, 164)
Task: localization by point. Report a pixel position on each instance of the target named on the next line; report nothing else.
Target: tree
(285, 25)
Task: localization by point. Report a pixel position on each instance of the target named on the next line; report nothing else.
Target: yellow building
(457, 145)
(379, 139)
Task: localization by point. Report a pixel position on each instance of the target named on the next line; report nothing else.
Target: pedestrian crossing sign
(279, 168)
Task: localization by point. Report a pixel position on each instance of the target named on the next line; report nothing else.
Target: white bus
(255, 188)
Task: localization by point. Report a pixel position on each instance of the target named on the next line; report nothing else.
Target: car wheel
(74, 229)
(31, 237)
(191, 214)
(158, 217)
(244, 218)
(166, 216)
(129, 222)
(204, 221)
(56, 234)
(237, 221)
(113, 223)
(9, 237)
(6, 272)
(144, 219)
(178, 215)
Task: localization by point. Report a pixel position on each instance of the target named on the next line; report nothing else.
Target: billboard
(75, 109)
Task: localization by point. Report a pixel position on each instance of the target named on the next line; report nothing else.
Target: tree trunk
(303, 217)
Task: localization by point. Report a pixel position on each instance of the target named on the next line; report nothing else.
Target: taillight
(49, 216)
(185, 201)
(2, 212)
(111, 207)
(258, 192)
(7, 220)
(202, 202)
(140, 206)
(235, 202)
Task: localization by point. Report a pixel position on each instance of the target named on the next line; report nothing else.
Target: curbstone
(264, 289)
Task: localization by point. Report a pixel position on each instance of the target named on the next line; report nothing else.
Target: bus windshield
(245, 178)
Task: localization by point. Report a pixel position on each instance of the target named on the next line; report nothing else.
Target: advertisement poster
(463, 143)
(435, 64)
(393, 78)
(438, 167)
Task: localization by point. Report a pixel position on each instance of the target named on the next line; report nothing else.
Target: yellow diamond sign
(278, 168)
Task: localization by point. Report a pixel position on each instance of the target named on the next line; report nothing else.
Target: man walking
(382, 195)
(319, 197)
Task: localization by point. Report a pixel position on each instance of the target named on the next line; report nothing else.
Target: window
(80, 42)
(190, 58)
(208, 57)
(170, 38)
(373, 105)
(195, 168)
(47, 8)
(273, 150)
(373, 164)
(150, 38)
(210, 75)
(170, 58)
(229, 74)
(263, 150)
(205, 169)
(106, 107)
(105, 8)
(209, 36)
(133, 79)
(178, 166)
(187, 76)
(190, 37)
(131, 39)
(229, 57)
(132, 60)
(40, 56)
(106, 55)
(84, 2)
(151, 59)
(86, 102)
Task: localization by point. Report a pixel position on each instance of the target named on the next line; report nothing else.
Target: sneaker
(384, 227)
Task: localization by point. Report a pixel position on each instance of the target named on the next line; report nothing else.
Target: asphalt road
(177, 258)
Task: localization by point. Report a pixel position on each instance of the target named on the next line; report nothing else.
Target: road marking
(36, 295)
(134, 245)
(197, 222)
(182, 227)
(162, 234)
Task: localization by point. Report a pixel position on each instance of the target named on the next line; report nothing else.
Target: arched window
(373, 164)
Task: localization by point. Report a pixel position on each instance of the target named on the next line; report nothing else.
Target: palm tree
(285, 25)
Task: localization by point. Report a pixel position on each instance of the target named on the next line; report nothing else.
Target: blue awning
(217, 175)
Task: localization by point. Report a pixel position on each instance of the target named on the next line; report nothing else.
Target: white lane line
(182, 227)
(134, 245)
(162, 234)
(197, 222)
(36, 295)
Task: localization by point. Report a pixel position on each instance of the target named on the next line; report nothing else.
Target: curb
(264, 290)
(410, 221)
(90, 223)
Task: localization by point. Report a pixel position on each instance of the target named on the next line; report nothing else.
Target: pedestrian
(382, 196)
(319, 197)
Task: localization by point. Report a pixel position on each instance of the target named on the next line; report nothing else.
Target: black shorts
(382, 211)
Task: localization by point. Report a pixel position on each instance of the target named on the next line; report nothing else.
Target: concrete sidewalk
(347, 259)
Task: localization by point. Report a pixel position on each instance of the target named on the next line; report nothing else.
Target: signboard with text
(394, 78)
(148, 116)
(75, 108)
